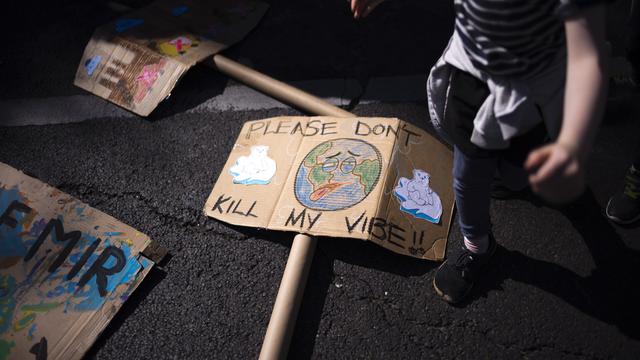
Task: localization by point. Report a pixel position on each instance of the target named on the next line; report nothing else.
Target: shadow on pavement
(155, 276)
(610, 293)
(198, 85)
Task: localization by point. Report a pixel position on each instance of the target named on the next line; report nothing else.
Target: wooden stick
(285, 310)
(276, 89)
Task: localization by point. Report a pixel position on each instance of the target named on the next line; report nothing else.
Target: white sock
(477, 245)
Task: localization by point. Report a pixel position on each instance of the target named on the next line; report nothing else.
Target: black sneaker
(624, 207)
(455, 278)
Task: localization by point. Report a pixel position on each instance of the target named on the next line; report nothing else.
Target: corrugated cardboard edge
(438, 249)
(99, 320)
(253, 21)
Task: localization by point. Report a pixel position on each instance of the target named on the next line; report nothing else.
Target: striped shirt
(513, 37)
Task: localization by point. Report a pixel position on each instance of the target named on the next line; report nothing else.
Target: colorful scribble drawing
(256, 169)
(34, 281)
(91, 64)
(178, 46)
(337, 174)
(146, 79)
(130, 82)
(417, 198)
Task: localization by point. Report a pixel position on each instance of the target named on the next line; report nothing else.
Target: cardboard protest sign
(377, 179)
(136, 60)
(65, 269)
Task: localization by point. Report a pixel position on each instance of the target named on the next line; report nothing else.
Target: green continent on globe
(316, 176)
(311, 159)
(368, 172)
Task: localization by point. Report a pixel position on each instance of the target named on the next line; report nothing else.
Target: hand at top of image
(362, 8)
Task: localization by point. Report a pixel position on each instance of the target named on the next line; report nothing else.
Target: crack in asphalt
(200, 223)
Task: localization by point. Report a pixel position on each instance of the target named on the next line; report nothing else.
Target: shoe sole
(617, 220)
(446, 298)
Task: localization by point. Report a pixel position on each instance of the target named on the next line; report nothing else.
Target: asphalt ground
(564, 282)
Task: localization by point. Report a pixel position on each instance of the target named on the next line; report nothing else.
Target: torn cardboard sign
(136, 60)
(65, 269)
(377, 179)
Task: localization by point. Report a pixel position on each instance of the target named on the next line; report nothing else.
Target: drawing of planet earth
(337, 174)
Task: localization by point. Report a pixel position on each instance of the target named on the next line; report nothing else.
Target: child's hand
(556, 173)
(362, 8)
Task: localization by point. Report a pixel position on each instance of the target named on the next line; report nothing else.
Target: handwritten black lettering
(255, 126)
(378, 223)
(350, 226)
(266, 129)
(328, 126)
(15, 205)
(101, 272)
(230, 205)
(235, 209)
(54, 224)
(409, 134)
(390, 129)
(283, 125)
(378, 129)
(421, 237)
(316, 129)
(83, 260)
(249, 213)
(392, 234)
(366, 129)
(221, 200)
(297, 128)
(294, 220)
(314, 220)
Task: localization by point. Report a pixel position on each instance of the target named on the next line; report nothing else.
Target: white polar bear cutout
(255, 169)
(417, 198)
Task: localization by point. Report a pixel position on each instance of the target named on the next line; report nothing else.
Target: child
(514, 73)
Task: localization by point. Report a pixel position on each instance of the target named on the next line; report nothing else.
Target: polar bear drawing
(255, 169)
(417, 198)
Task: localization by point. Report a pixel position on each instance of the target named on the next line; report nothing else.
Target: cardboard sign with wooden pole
(136, 60)
(283, 317)
(376, 179)
(65, 269)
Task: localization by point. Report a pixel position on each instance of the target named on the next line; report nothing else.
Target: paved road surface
(565, 284)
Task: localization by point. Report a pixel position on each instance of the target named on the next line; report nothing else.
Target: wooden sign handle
(276, 89)
(285, 310)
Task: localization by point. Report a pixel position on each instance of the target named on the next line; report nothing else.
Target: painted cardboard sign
(377, 179)
(65, 269)
(135, 61)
